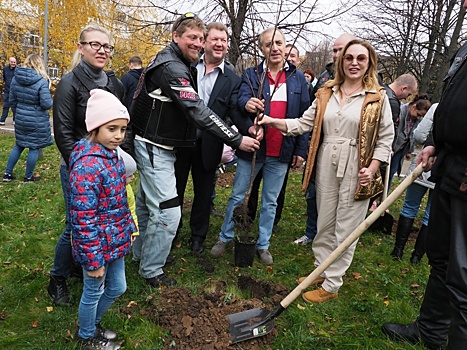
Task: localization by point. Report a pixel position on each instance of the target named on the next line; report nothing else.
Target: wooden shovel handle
(353, 236)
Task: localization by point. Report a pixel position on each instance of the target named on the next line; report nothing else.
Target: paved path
(9, 127)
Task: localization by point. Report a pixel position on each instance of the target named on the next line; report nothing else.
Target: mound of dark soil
(197, 321)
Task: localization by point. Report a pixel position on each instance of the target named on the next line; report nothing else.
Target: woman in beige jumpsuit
(335, 157)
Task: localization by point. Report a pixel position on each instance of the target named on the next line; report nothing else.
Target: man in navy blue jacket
(8, 74)
(284, 95)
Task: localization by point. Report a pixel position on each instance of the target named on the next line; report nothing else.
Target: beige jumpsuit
(336, 177)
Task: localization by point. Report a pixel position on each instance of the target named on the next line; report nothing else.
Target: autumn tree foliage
(19, 34)
(66, 18)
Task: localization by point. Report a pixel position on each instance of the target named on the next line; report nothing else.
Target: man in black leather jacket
(166, 111)
(443, 314)
(328, 73)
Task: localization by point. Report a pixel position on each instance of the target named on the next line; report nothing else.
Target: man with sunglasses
(328, 73)
(166, 112)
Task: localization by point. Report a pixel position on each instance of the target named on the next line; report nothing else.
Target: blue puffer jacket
(101, 220)
(30, 98)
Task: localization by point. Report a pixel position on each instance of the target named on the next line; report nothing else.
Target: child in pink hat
(102, 224)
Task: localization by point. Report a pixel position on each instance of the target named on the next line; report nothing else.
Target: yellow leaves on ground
(132, 303)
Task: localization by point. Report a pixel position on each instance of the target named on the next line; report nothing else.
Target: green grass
(376, 289)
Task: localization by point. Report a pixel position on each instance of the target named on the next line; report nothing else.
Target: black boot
(396, 331)
(409, 333)
(58, 291)
(419, 249)
(404, 226)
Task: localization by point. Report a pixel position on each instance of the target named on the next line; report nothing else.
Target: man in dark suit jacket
(218, 86)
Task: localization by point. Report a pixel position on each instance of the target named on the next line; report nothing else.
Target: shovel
(258, 322)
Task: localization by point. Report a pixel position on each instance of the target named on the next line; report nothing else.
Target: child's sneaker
(97, 343)
(103, 333)
(31, 179)
(8, 178)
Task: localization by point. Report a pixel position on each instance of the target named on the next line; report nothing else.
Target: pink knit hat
(103, 107)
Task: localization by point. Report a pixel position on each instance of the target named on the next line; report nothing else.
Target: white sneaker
(304, 240)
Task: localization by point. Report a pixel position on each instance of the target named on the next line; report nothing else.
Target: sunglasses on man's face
(188, 15)
(360, 58)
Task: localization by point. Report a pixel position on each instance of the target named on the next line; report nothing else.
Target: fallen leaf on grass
(300, 307)
(404, 271)
(36, 299)
(386, 302)
(34, 215)
(269, 269)
(69, 334)
(34, 324)
(49, 308)
(132, 303)
(357, 275)
(414, 285)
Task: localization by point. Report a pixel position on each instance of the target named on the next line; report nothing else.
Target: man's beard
(189, 58)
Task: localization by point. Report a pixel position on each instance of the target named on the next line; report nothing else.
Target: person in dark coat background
(441, 323)
(8, 74)
(30, 99)
(130, 79)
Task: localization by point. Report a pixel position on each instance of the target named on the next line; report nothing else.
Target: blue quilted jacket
(101, 220)
(30, 98)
